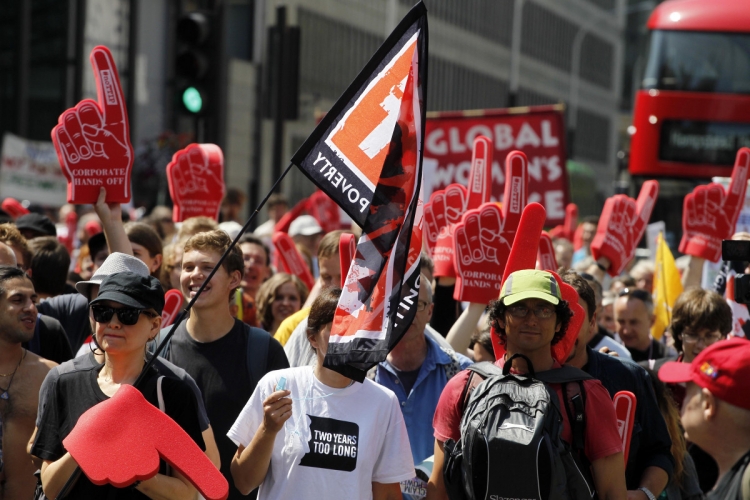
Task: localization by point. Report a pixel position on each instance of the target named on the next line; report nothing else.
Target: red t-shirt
(602, 438)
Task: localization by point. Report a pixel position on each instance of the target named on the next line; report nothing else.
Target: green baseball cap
(530, 284)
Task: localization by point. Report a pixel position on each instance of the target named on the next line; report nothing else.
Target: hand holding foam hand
(621, 226)
(446, 207)
(196, 181)
(120, 440)
(291, 260)
(710, 213)
(92, 140)
(483, 239)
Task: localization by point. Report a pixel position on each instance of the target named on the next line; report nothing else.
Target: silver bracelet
(647, 492)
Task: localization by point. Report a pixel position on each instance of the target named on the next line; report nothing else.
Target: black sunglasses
(127, 315)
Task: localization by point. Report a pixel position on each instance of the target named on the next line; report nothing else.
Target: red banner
(539, 133)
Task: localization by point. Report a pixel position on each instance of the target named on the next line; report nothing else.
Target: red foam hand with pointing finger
(92, 140)
(546, 259)
(568, 229)
(710, 213)
(621, 226)
(291, 260)
(120, 440)
(483, 239)
(446, 208)
(196, 181)
(325, 211)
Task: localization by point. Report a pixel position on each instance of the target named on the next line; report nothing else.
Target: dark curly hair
(497, 314)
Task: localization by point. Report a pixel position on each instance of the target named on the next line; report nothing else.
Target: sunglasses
(127, 315)
(541, 312)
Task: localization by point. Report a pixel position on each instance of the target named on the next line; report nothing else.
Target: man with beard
(21, 375)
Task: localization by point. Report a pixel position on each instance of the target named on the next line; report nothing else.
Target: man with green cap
(529, 317)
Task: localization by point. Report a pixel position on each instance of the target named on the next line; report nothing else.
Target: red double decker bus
(692, 112)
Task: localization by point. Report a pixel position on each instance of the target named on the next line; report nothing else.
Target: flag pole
(77, 472)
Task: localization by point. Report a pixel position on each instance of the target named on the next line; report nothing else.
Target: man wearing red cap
(716, 411)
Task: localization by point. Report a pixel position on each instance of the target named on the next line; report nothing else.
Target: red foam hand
(621, 226)
(196, 181)
(325, 211)
(568, 229)
(625, 404)
(119, 441)
(14, 208)
(446, 208)
(172, 303)
(483, 239)
(92, 140)
(578, 238)
(546, 258)
(443, 211)
(291, 260)
(561, 350)
(710, 213)
(347, 250)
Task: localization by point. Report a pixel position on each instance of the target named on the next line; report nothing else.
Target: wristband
(135, 485)
(647, 492)
(603, 269)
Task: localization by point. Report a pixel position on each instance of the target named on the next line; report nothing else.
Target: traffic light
(193, 64)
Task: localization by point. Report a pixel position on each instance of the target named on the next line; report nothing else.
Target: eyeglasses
(422, 305)
(689, 338)
(541, 312)
(127, 315)
(636, 293)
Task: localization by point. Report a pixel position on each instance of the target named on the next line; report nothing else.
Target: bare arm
(597, 271)
(386, 491)
(111, 217)
(655, 479)
(609, 477)
(212, 451)
(250, 465)
(459, 336)
(55, 474)
(436, 486)
(694, 272)
(161, 487)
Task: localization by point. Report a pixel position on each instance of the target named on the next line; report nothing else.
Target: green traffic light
(192, 99)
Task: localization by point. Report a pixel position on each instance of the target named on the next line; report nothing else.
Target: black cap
(37, 222)
(133, 290)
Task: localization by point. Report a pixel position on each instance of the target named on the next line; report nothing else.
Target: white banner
(29, 170)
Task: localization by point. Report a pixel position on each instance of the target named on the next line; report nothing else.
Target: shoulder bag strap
(257, 353)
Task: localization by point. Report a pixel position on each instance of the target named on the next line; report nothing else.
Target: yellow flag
(667, 287)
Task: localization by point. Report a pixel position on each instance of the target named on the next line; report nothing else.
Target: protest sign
(539, 132)
(30, 171)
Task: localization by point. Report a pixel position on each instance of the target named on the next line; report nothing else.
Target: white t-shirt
(336, 443)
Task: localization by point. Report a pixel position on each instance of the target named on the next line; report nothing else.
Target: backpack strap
(477, 373)
(258, 342)
(562, 375)
(746, 483)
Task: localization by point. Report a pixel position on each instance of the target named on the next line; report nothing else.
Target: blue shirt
(418, 407)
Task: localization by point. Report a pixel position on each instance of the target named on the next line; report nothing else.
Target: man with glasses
(528, 318)
(417, 370)
(634, 316)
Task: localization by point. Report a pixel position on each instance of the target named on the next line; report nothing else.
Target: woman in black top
(128, 315)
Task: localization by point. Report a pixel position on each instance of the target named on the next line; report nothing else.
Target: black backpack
(510, 446)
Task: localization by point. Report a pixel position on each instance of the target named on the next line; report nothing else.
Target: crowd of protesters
(245, 377)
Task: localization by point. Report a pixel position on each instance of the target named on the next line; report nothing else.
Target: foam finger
(480, 179)
(471, 225)
(108, 89)
(455, 201)
(737, 188)
(65, 144)
(645, 206)
(75, 132)
(526, 242)
(516, 184)
(461, 246)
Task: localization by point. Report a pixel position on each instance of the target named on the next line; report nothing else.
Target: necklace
(5, 395)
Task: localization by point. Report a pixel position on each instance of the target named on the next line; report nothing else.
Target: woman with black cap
(127, 312)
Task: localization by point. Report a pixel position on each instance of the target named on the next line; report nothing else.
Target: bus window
(699, 62)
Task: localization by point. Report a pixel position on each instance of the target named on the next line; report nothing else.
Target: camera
(737, 252)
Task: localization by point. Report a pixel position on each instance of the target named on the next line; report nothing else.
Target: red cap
(723, 368)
